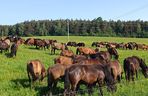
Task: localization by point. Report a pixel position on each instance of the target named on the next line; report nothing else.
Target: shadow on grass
(8, 55)
(42, 90)
(21, 82)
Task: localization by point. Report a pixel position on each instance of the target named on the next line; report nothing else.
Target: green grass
(14, 80)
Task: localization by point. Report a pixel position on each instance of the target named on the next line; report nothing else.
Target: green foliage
(95, 27)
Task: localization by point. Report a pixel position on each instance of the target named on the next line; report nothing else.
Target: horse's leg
(90, 90)
(137, 74)
(100, 89)
(132, 75)
(73, 88)
(54, 50)
(128, 75)
(119, 78)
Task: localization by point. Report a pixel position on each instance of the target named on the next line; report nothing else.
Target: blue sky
(15, 11)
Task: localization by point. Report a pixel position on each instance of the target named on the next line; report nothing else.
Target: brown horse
(131, 67)
(116, 70)
(90, 74)
(29, 41)
(63, 60)
(58, 46)
(36, 70)
(68, 53)
(85, 51)
(4, 46)
(54, 73)
(107, 55)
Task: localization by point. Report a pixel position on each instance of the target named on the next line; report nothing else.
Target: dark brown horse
(90, 74)
(107, 55)
(131, 67)
(35, 70)
(58, 46)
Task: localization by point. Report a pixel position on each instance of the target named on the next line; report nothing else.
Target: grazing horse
(29, 41)
(63, 60)
(14, 48)
(68, 53)
(131, 66)
(4, 46)
(58, 46)
(90, 74)
(81, 44)
(107, 55)
(116, 70)
(39, 43)
(36, 70)
(54, 73)
(7, 41)
(85, 51)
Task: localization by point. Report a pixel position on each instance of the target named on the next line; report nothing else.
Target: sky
(16, 11)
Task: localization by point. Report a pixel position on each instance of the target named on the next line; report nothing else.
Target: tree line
(95, 27)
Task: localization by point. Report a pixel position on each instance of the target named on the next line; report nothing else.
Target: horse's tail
(77, 51)
(49, 78)
(124, 67)
(66, 81)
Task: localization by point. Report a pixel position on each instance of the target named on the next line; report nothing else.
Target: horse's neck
(143, 66)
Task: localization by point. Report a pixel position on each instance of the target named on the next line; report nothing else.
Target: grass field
(14, 80)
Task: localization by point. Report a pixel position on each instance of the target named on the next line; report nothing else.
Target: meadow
(14, 80)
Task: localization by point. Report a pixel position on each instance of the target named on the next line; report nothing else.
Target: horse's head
(66, 48)
(114, 52)
(109, 79)
(144, 68)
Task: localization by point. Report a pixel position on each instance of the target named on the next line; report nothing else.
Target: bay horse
(58, 46)
(85, 51)
(131, 67)
(55, 73)
(14, 48)
(68, 53)
(4, 46)
(90, 74)
(63, 60)
(35, 71)
(107, 55)
(116, 70)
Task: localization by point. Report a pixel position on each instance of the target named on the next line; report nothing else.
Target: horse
(85, 51)
(58, 46)
(116, 70)
(81, 44)
(55, 73)
(90, 74)
(14, 48)
(29, 41)
(74, 44)
(107, 55)
(4, 46)
(63, 60)
(35, 71)
(68, 53)
(7, 41)
(39, 43)
(131, 66)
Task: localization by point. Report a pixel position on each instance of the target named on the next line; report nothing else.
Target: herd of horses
(88, 66)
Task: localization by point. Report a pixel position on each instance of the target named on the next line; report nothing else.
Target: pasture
(14, 80)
